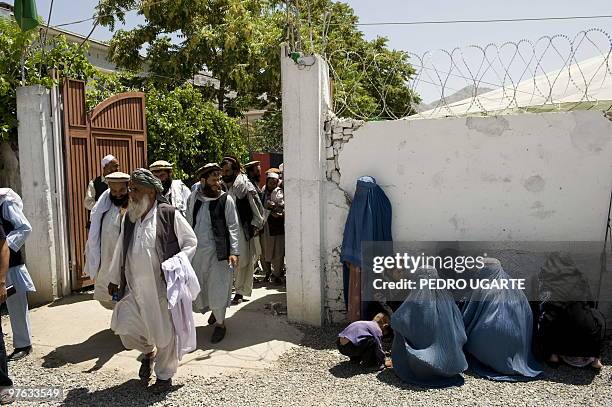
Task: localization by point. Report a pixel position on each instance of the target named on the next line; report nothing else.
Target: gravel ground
(315, 374)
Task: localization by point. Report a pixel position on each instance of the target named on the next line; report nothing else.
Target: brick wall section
(338, 132)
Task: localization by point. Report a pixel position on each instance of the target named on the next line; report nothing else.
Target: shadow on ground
(101, 346)
(132, 393)
(72, 299)
(254, 323)
(346, 370)
(387, 376)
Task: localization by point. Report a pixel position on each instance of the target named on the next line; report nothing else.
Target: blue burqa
(369, 219)
(499, 325)
(429, 337)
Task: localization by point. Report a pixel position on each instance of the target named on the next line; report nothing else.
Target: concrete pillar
(305, 104)
(37, 185)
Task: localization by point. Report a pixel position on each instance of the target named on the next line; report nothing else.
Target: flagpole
(23, 67)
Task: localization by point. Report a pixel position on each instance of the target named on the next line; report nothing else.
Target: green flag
(26, 15)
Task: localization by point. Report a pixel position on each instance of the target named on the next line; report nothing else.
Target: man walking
(212, 213)
(152, 233)
(250, 219)
(106, 217)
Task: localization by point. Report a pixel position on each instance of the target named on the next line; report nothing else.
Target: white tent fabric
(588, 81)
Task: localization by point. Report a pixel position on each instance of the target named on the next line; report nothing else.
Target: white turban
(272, 175)
(107, 160)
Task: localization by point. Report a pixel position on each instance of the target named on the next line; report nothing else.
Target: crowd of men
(159, 251)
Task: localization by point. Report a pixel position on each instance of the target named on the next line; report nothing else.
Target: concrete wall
(305, 103)
(540, 177)
(38, 150)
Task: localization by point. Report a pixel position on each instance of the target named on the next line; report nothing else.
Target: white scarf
(93, 247)
(182, 288)
(7, 194)
(176, 195)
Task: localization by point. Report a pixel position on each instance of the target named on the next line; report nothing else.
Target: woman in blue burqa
(499, 328)
(369, 220)
(429, 337)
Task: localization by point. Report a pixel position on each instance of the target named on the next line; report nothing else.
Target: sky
(418, 38)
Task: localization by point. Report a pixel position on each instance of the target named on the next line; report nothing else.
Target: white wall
(519, 177)
(37, 150)
(304, 90)
(539, 177)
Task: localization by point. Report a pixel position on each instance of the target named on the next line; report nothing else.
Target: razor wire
(552, 73)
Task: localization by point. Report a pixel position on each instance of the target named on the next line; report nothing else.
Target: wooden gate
(116, 126)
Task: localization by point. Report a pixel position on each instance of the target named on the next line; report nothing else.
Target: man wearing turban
(152, 232)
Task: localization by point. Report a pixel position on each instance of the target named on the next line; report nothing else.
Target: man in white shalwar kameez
(152, 232)
(106, 217)
(250, 221)
(213, 215)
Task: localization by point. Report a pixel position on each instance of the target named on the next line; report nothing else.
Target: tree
(266, 134)
(68, 59)
(238, 42)
(188, 131)
(229, 38)
(182, 127)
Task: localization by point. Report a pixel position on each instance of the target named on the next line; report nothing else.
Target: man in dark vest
(98, 185)
(209, 208)
(152, 232)
(250, 220)
(17, 229)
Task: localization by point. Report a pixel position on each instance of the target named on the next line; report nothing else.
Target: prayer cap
(208, 168)
(145, 177)
(160, 165)
(232, 159)
(251, 164)
(117, 177)
(106, 160)
(281, 167)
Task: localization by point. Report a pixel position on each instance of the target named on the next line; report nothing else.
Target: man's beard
(256, 178)
(229, 178)
(166, 184)
(136, 210)
(120, 201)
(208, 191)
